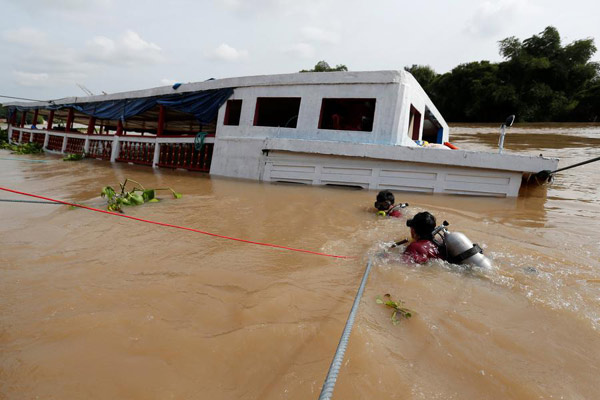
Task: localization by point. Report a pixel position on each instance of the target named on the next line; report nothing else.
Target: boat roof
(299, 78)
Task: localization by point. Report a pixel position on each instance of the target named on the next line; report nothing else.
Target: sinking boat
(358, 129)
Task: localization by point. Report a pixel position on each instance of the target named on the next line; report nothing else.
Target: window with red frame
(277, 111)
(347, 114)
(233, 110)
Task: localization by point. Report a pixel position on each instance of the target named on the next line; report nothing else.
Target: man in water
(422, 248)
(385, 205)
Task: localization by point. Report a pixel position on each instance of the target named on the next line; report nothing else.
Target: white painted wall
(237, 157)
(383, 132)
(238, 149)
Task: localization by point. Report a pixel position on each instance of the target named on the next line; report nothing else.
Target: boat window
(233, 111)
(432, 130)
(347, 114)
(414, 126)
(277, 111)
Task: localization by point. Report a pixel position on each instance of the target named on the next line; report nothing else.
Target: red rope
(175, 226)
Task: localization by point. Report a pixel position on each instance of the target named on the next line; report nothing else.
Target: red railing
(100, 149)
(39, 138)
(55, 143)
(74, 145)
(136, 152)
(184, 155)
(171, 155)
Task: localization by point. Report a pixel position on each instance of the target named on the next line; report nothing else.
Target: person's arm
(401, 242)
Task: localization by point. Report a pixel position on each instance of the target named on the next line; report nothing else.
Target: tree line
(540, 80)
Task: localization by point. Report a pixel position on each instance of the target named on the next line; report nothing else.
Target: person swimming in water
(422, 248)
(385, 205)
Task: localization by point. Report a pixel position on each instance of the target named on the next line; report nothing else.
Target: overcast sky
(47, 47)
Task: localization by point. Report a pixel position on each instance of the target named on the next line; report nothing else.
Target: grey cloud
(495, 17)
(42, 62)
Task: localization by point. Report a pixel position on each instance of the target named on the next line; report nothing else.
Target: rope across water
(330, 380)
(175, 226)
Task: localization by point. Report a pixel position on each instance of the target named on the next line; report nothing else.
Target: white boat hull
(376, 167)
(394, 175)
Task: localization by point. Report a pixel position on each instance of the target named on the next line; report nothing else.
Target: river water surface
(98, 307)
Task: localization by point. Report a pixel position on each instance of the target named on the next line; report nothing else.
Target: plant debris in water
(134, 197)
(25, 148)
(74, 157)
(398, 312)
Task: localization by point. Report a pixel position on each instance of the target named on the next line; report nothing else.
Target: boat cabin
(370, 130)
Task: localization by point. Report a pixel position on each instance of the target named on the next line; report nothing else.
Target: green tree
(539, 80)
(323, 66)
(472, 92)
(550, 80)
(588, 107)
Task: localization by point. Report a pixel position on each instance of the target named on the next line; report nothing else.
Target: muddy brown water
(98, 307)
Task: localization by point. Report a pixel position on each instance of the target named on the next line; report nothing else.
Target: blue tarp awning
(204, 105)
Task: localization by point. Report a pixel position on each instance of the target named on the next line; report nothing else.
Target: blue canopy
(204, 105)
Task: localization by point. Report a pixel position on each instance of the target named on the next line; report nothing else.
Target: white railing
(114, 139)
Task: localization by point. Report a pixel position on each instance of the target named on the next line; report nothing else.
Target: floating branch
(398, 312)
(134, 197)
(25, 148)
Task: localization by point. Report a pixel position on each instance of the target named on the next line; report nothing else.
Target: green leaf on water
(136, 199)
(149, 194)
(398, 312)
(108, 191)
(136, 196)
(24, 148)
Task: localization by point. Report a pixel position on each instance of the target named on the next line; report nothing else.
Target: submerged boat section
(373, 130)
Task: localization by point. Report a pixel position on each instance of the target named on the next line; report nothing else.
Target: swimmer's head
(385, 200)
(423, 224)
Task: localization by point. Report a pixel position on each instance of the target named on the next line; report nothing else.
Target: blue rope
(28, 201)
(334, 369)
(23, 159)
